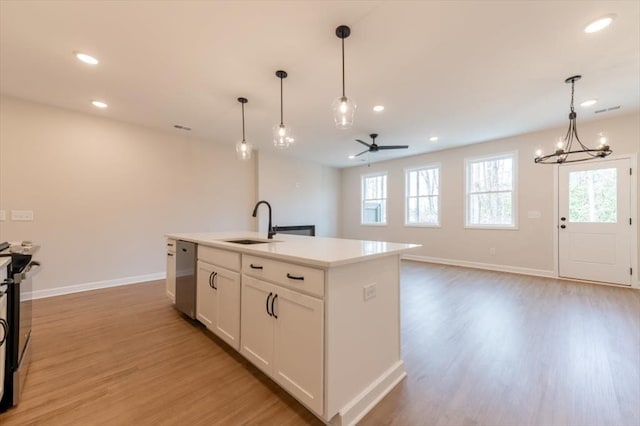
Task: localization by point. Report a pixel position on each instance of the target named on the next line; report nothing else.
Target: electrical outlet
(369, 291)
(22, 215)
(3, 215)
(492, 251)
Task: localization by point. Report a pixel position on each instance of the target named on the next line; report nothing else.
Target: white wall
(300, 193)
(105, 192)
(531, 247)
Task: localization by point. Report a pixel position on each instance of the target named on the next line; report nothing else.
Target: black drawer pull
(170, 244)
(169, 254)
(293, 277)
(255, 266)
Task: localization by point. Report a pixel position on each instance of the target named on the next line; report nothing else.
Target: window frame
(514, 190)
(362, 199)
(406, 196)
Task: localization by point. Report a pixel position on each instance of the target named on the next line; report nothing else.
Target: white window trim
(424, 225)
(514, 155)
(386, 199)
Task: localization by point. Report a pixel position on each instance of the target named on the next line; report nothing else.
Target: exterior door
(595, 228)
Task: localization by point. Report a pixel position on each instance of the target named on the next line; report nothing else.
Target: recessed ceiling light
(599, 24)
(378, 108)
(99, 104)
(87, 59)
(588, 103)
(433, 138)
(351, 157)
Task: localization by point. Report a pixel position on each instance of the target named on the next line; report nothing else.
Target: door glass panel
(593, 196)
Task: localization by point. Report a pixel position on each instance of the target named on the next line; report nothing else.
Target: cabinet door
(205, 295)
(256, 325)
(227, 308)
(299, 346)
(171, 276)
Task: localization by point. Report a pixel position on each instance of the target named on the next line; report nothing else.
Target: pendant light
(282, 135)
(343, 108)
(243, 149)
(564, 152)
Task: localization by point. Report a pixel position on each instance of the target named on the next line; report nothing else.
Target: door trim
(635, 277)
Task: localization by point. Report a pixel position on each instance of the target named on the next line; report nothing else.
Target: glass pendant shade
(344, 110)
(243, 150)
(282, 136)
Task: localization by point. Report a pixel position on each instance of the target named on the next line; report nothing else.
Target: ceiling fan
(373, 147)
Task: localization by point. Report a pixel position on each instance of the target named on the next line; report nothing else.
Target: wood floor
(481, 348)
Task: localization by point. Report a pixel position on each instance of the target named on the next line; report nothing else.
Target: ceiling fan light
(343, 112)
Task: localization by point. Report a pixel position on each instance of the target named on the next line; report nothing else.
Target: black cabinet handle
(267, 304)
(255, 266)
(293, 277)
(272, 302)
(212, 280)
(5, 329)
(170, 244)
(169, 254)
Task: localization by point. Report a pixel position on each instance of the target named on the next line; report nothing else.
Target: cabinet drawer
(302, 278)
(171, 246)
(224, 258)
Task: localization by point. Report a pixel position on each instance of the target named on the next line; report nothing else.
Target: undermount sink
(247, 242)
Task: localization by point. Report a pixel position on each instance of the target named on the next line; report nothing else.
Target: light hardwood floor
(481, 348)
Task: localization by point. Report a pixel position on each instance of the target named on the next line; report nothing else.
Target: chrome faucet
(270, 231)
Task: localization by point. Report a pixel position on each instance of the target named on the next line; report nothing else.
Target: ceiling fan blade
(363, 152)
(393, 146)
(363, 143)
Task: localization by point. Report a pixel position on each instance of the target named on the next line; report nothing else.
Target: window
(374, 199)
(491, 195)
(593, 196)
(422, 201)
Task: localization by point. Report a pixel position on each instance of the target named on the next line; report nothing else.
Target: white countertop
(314, 251)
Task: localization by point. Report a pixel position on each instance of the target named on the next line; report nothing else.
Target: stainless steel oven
(20, 274)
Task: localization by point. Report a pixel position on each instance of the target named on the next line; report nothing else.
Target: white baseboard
(59, 291)
(355, 410)
(480, 265)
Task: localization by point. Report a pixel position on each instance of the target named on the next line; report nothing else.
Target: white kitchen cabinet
(218, 301)
(171, 270)
(283, 335)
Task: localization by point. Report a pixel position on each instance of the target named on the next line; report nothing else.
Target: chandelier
(565, 152)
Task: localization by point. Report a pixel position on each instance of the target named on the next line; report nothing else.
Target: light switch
(22, 215)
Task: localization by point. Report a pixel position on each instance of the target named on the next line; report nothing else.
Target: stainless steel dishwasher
(186, 278)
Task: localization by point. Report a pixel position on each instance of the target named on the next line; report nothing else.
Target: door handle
(563, 226)
(272, 302)
(563, 219)
(267, 304)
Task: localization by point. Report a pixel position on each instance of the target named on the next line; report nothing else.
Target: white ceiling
(464, 71)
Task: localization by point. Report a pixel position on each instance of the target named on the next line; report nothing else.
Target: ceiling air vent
(607, 109)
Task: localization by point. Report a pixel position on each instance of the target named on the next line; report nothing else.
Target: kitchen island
(319, 316)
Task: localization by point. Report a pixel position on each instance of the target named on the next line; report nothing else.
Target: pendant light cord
(243, 141)
(343, 92)
(281, 102)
